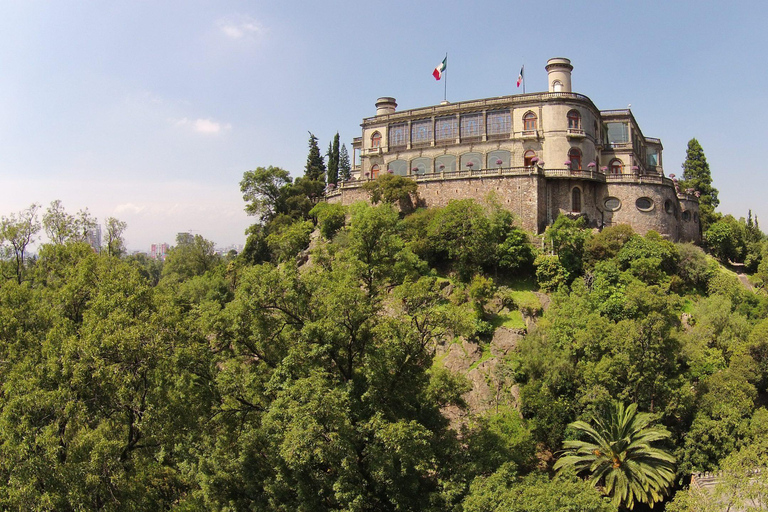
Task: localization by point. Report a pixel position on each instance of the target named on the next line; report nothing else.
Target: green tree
(697, 176)
(567, 238)
(333, 160)
(315, 168)
(262, 191)
(505, 491)
(114, 242)
(725, 239)
(345, 168)
(330, 218)
(392, 189)
(462, 232)
(190, 258)
(620, 456)
(58, 224)
(18, 231)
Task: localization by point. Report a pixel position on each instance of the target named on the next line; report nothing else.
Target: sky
(151, 111)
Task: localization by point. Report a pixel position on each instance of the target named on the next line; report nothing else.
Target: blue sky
(150, 111)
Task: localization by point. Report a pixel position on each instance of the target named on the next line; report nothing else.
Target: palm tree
(620, 456)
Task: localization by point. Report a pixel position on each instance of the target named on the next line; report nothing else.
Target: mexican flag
(440, 69)
(520, 76)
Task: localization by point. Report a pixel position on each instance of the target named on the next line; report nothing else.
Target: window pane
(470, 125)
(421, 131)
(397, 133)
(445, 128)
(498, 159)
(499, 122)
(618, 133)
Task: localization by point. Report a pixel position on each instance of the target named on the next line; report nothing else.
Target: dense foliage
(307, 372)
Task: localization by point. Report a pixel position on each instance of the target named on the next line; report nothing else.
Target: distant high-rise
(93, 237)
(158, 251)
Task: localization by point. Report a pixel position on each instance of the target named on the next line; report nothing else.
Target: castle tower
(385, 105)
(559, 70)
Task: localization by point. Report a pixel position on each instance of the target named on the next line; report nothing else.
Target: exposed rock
(504, 340)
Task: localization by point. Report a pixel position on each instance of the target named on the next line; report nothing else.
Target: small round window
(686, 216)
(612, 204)
(644, 204)
(668, 207)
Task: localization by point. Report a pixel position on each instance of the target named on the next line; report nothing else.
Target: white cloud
(129, 208)
(205, 126)
(241, 27)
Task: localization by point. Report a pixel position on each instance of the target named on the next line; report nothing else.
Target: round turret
(559, 70)
(385, 105)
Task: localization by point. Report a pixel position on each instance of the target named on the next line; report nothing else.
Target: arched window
(574, 155)
(374, 172)
(528, 158)
(421, 165)
(471, 161)
(445, 163)
(557, 86)
(376, 140)
(574, 120)
(576, 200)
(499, 158)
(616, 166)
(399, 167)
(529, 121)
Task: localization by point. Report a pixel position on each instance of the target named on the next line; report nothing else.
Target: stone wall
(536, 201)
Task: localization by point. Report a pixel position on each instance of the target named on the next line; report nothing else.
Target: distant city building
(599, 165)
(93, 237)
(158, 251)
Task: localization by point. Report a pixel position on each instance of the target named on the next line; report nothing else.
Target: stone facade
(538, 154)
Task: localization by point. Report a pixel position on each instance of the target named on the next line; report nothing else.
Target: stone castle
(539, 154)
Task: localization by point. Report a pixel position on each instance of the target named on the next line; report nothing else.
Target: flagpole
(523, 78)
(445, 85)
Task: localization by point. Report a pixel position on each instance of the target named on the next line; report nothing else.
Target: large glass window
(499, 122)
(399, 167)
(421, 166)
(471, 125)
(421, 132)
(445, 163)
(498, 159)
(376, 140)
(529, 121)
(652, 157)
(398, 134)
(618, 133)
(616, 166)
(374, 172)
(445, 128)
(471, 161)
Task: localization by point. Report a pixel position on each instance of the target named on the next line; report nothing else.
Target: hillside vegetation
(362, 359)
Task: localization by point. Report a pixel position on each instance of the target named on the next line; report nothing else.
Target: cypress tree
(696, 175)
(315, 169)
(345, 170)
(333, 160)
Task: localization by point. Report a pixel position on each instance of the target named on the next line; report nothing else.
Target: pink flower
(499, 162)
(567, 163)
(591, 164)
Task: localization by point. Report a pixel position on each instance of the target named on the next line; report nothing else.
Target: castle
(539, 154)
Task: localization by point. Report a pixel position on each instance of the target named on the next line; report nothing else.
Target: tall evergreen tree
(696, 175)
(315, 169)
(333, 160)
(345, 169)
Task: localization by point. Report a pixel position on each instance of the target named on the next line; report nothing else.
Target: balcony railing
(571, 173)
(519, 171)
